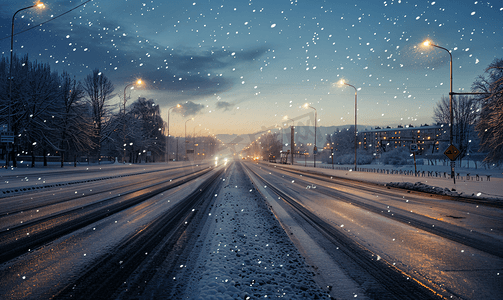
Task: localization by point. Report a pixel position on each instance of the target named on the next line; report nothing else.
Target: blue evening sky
(239, 66)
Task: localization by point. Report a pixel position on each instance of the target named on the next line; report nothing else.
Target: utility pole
(177, 149)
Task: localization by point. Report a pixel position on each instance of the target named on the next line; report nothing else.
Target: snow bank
(487, 189)
(421, 187)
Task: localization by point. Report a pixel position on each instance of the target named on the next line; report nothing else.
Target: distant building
(427, 137)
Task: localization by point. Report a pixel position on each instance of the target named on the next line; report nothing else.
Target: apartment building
(427, 137)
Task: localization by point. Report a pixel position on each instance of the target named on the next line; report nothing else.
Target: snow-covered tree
(343, 141)
(145, 127)
(490, 124)
(343, 144)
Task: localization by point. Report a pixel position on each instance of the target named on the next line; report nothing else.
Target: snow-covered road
(244, 254)
(250, 244)
(444, 244)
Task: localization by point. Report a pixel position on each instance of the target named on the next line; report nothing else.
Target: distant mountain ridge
(303, 135)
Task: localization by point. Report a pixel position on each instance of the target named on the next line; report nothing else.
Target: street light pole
(194, 143)
(282, 136)
(342, 82)
(185, 138)
(9, 125)
(429, 43)
(167, 137)
(315, 149)
(138, 82)
(292, 133)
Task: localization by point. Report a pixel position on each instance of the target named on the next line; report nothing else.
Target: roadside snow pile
(246, 254)
(421, 187)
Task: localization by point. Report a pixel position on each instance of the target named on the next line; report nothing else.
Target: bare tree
(465, 112)
(75, 125)
(12, 107)
(5, 100)
(4, 92)
(267, 145)
(490, 125)
(47, 113)
(271, 145)
(35, 108)
(99, 89)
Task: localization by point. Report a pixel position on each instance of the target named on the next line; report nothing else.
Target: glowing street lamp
(167, 137)
(306, 106)
(286, 118)
(428, 43)
(138, 82)
(341, 83)
(39, 5)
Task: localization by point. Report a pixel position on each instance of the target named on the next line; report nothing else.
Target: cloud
(190, 108)
(194, 71)
(192, 85)
(81, 45)
(224, 105)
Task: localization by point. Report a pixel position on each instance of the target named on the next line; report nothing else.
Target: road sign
(7, 138)
(452, 152)
(315, 150)
(413, 148)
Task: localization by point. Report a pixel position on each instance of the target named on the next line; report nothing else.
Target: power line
(47, 20)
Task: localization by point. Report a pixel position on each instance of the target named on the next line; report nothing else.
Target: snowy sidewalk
(486, 189)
